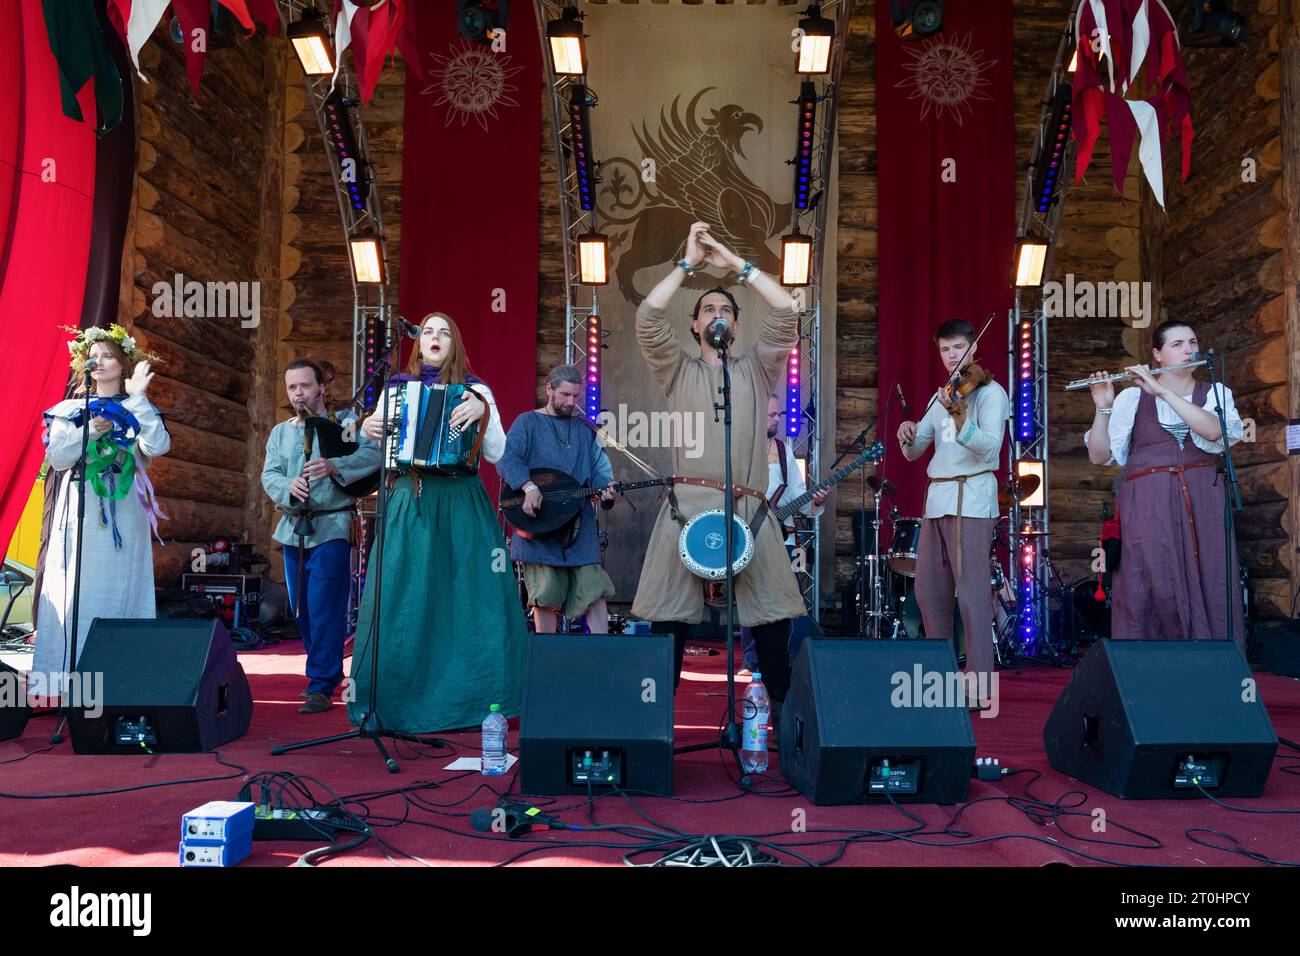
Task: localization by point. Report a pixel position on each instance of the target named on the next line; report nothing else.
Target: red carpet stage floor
(142, 827)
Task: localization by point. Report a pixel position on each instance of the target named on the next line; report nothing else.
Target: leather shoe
(316, 704)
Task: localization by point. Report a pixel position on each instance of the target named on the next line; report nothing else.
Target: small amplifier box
(217, 823)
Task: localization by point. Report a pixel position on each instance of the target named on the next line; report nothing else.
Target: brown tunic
(1170, 582)
(766, 590)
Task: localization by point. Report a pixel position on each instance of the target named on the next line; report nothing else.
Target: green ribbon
(102, 455)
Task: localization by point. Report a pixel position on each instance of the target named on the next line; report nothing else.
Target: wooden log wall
(201, 165)
(1222, 269)
(317, 311)
(233, 185)
(856, 294)
(1289, 82)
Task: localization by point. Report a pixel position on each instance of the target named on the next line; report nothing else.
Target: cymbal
(882, 485)
(1022, 488)
(1017, 490)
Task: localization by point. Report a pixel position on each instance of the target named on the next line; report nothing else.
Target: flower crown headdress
(79, 347)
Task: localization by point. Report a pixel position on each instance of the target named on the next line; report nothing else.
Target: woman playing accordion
(453, 637)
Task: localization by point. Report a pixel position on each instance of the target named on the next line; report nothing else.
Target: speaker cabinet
(1153, 719)
(863, 723)
(14, 709)
(598, 711)
(168, 686)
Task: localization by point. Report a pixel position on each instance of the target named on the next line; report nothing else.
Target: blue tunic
(537, 440)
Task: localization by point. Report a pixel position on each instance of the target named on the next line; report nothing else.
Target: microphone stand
(1231, 575)
(65, 708)
(730, 739)
(370, 727)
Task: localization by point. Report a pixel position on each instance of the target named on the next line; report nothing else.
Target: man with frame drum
(767, 596)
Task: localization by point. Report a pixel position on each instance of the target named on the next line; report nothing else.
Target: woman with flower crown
(126, 433)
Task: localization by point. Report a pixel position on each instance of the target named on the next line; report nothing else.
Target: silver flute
(1124, 376)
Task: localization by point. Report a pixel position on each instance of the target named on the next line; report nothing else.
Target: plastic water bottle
(758, 708)
(494, 742)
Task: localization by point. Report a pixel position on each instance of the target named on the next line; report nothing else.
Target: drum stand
(868, 582)
(369, 727)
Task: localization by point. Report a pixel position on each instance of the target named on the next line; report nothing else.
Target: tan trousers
(937, 585)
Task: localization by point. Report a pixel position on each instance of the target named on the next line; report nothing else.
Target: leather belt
(961, 487)
(759, 516)
(1187, 493)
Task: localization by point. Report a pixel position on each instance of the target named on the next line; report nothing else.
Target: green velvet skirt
(453, 639)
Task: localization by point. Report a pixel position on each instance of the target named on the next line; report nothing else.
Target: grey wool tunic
(765, 590)
(538, 440)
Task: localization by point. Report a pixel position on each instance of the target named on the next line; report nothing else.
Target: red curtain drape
(47, 183)
(947, 179)
(470, 190)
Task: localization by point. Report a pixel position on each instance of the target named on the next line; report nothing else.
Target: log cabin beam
(1288, 33)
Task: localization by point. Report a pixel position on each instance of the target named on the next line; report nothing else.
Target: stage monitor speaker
(1157, 719)
(14, 709)
(598, 712)
(168, 686)
(868, 720)
(1279, 648)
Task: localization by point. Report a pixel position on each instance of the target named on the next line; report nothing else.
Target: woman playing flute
(1170, 582)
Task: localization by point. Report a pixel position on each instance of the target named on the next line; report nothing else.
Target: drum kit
(887, 604)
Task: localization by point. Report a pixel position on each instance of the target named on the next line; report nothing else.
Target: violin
(966, 380)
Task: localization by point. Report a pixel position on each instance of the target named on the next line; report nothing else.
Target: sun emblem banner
(947, 203)
(470, 192)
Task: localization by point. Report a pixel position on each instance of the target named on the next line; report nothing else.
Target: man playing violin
(562, 574)
(966, 424)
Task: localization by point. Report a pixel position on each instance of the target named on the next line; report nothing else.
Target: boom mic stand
(65, 709)
(730, 739)
(370, 727)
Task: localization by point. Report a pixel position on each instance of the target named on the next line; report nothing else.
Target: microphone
(517, 819)
(898, 391)
(91, 364)
(716, 334)
(410, 330)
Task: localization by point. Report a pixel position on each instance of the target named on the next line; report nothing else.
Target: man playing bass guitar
(561, 570)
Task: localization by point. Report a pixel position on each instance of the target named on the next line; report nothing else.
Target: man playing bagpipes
(309, 487)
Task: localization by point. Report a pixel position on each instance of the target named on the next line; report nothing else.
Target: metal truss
(372, 313)
(1027, 341)
(812, 222)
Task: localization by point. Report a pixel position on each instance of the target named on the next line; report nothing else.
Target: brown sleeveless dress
(1171, 578)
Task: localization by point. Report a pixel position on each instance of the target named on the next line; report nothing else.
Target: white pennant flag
(342, 37)
(145, 15)
(1150, 152)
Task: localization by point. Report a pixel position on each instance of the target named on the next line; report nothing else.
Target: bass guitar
(562, 498)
